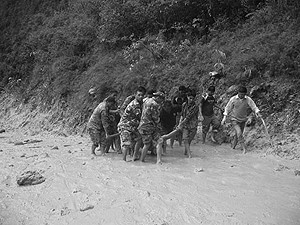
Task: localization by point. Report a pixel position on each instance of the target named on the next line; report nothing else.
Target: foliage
(53, 54)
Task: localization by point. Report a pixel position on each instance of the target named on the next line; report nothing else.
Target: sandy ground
(80, 189)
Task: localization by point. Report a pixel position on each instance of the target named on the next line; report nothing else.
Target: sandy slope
(80, 189)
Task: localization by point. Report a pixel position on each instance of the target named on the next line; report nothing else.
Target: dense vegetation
(53, 52)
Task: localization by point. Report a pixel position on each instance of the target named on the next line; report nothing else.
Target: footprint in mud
(144, 194)
(7, 181)
(281, 168)
(65, 211)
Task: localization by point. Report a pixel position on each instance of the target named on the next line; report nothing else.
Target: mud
(218, 185)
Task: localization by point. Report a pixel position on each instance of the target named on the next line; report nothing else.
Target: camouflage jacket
(150, 119)
(131, 117)
(126, 102)
(190, 114)
(100, 120)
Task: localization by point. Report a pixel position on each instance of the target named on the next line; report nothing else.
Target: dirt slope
(79, 189)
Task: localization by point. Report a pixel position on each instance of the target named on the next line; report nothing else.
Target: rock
(23, 155)
(297, 172)
(19, 143)
(86, 207)
(30, 156)
(199, 170)
(30, 178)
(27, 142)
(2, 131)
(32, 141)
(55, 148)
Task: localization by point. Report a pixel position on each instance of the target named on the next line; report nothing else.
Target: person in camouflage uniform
(149, 127)
(114, 116)
(129, 123)
(189, 121)
(98, 125)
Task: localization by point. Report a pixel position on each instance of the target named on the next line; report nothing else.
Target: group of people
(146, 120)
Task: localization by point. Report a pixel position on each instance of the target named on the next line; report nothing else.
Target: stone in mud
(199, 170)
(19, 143)
(297, 172)
(30, 178)
(86, 207)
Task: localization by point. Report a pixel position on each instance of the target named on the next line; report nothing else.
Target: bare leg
(164, 147)
(94, 146)
(180, 139)
(144, 151)
(108, 145)
(118, 145)
(125, 151)
(187, 150)
(137, 147)
(213, 136)
(203, 138)
(172, 141)
(170, 135)
(103, 149)
(159, 151)
(239, 128)
(234, 141)
(244, 147)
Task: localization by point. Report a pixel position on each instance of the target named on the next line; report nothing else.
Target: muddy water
(217, 186)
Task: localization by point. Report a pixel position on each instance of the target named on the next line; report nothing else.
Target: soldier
(149, 127)
(129, 123)
(98, 125)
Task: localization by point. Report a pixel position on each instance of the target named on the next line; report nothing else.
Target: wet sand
(218, 185)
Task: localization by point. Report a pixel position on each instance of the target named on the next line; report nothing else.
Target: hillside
(53, 53)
